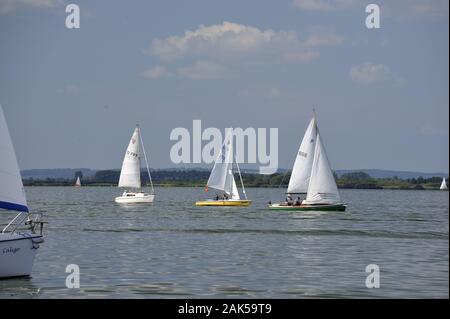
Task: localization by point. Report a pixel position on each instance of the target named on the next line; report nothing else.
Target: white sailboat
(17, 247)
(222, 179)
(443, 185)
(78, 182)
(130, 174)
(312, 175)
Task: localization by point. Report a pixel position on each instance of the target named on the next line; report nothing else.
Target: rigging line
(282, 180)
(240, 176)
(146, 162)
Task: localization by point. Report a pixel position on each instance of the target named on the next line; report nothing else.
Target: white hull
(135, 198)
(17, 253)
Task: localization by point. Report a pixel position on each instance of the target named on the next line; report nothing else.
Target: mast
(146, 161)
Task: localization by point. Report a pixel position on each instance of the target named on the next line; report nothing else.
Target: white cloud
(9, 6)
(271, 92)
(274, 92)
(429, 9)
(428, 129)
(368, 73)
(323, 5)
(323, 37)
(204, 70)
(156, 72)
(415, 9)
(72, 89)
(236, 42)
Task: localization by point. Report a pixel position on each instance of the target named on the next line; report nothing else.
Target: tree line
(356, 180)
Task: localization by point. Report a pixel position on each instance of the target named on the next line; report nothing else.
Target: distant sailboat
(222, 179)
(17, 248)
(312, 175)
(78, 182)
(443, 185)
(130, 174)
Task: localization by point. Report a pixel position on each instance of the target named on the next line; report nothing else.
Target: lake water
(176, 250)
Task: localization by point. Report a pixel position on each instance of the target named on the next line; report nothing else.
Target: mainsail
(130, 175)
(78, 182)
(301, 172)
(221, 177)
(12, 193)
(322, 187)
(443, 185)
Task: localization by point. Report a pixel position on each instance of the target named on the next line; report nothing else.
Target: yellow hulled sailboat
(222, 179)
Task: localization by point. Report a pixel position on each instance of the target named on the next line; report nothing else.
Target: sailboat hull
(135, 198)
(319, 207)
(229, 202)
(17, 252)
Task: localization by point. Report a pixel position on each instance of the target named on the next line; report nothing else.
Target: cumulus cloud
(271, 92)
(323, 37)
(72, 89)
(323, 5)
(368, 73)
(415, 9)
(156, 72)
(9, 6)
(430, 9)
(231, 42)
(204, 70)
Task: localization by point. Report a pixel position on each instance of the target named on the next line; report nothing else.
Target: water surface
(176, 250)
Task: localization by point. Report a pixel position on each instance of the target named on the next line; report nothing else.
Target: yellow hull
(231, 202)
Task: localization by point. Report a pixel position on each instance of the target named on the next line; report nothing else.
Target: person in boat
(217, 197)
(298, 202)
(289, 200)
(225, 197)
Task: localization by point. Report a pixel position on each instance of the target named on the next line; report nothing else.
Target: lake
(173, 249)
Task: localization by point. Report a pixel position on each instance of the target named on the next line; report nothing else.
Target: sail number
(303, 154)
(132, 154)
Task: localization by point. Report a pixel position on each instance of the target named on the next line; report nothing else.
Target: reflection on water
(175, 249)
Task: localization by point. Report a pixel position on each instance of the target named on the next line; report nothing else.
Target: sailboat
(222, 179)
(78, 182)
(443, 185)
(17, 247)
(130, 174)
(312, 175)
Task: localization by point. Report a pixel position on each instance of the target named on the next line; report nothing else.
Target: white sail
(12, 193)
(220, 174)
(130, 175)
(78, 182)
(322, 187)
(301, 170)
(234, 190)
(443, 185)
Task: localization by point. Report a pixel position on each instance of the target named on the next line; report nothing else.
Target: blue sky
(72, 97)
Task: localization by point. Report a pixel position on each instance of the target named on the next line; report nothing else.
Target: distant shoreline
(195, 178)
(203, 185)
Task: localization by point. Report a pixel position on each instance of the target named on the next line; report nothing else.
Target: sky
(73, 96)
